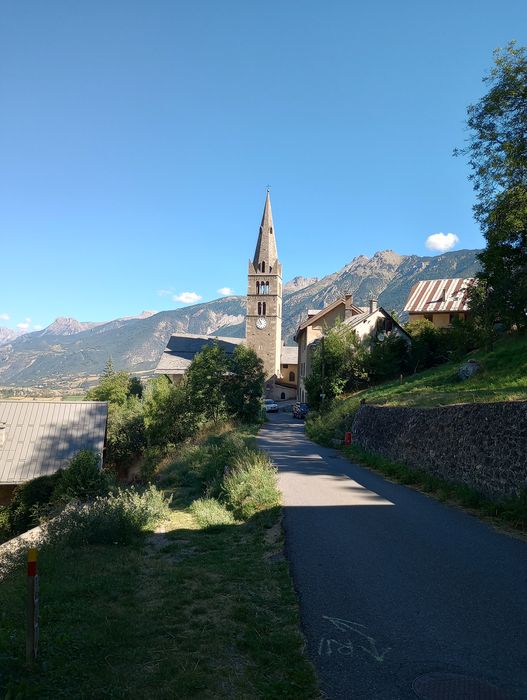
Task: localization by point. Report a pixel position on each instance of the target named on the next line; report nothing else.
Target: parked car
(300, 410)
(270, 406)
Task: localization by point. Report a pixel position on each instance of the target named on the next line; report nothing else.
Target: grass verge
(202, 607)
(511, 512)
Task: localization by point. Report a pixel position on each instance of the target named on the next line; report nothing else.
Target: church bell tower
(264, 300)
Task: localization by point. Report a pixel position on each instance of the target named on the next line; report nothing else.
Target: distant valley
(71, 353)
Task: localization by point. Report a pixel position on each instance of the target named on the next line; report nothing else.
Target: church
(263, 323)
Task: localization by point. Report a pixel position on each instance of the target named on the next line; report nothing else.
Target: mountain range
(69, 351)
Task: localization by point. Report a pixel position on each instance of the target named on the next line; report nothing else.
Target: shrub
(168, 412)
(251, 485)
(118, 518)
(211, 513)
(82, 479)
(28, 499)
(126, 437)
(201, 467)
(4, 524)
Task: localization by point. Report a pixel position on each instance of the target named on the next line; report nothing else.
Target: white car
(270, 406)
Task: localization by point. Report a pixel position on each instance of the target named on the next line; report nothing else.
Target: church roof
(182, 347)
(266, 245)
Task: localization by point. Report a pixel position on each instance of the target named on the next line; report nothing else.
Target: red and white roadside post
(32, 629)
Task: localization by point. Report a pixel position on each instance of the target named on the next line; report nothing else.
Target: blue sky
(137, 139)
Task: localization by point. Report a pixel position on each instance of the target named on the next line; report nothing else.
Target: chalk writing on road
(367, 644)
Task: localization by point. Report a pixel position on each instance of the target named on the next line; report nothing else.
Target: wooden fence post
(32, 628)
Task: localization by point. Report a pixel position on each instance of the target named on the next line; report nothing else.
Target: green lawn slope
(503, 377)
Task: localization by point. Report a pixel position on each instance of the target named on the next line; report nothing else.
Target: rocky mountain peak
(65, 325)
(298, 283)
(8, 334)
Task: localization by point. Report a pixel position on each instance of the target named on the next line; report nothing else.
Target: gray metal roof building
(38, 438)
(182, 347)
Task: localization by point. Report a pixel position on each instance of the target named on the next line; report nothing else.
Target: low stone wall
(12, 550)
(482, 445)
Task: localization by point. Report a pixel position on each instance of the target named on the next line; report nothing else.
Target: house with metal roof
(439, 301)
(366, 322)
(38, 438)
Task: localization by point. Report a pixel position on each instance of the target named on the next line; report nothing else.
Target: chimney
(373, 305)
(348, 303)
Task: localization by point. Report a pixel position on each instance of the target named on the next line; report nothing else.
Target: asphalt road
(394, 585)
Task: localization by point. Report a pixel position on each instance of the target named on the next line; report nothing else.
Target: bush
(116, 518)
(211, 513)
(201, 467)
(4, 524)
(126, 437)
(251, 485)
(168, 412)
(82, 479)
(28, 499)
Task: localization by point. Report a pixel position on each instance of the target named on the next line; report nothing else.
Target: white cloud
(225, 291)
(442, 242)
(22, 326)
(187, 297)
(4, 317)
(165, 292)
(37, 327)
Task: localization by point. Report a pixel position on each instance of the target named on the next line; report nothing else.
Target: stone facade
(482, 445)
(263, 326)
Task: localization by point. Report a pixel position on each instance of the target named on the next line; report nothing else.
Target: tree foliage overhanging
(497, 155)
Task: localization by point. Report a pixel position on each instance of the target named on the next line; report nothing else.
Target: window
(453, 317)
(429, 317)
(270, 269)
(285, 366)
(263, 265)
(267, 287)
(291, 376)
(264, 308)
(257, 288)
(259, 308)
(389, 325)
(282, 395)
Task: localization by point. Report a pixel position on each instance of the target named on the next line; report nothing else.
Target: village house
(366, 322)
(37, 438)
(263, 323)
(439, 301)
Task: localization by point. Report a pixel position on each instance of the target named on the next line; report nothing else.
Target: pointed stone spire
(266, 247)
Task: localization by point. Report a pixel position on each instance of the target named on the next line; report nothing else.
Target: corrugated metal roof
(182, 347)
(40, 437)
(439, 295)
(289, 355)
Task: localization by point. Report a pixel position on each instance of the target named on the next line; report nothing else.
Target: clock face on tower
(261, 323)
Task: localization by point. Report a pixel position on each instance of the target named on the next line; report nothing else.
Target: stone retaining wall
(482, 445)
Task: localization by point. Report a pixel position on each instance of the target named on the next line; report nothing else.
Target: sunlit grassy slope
(503, 377)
